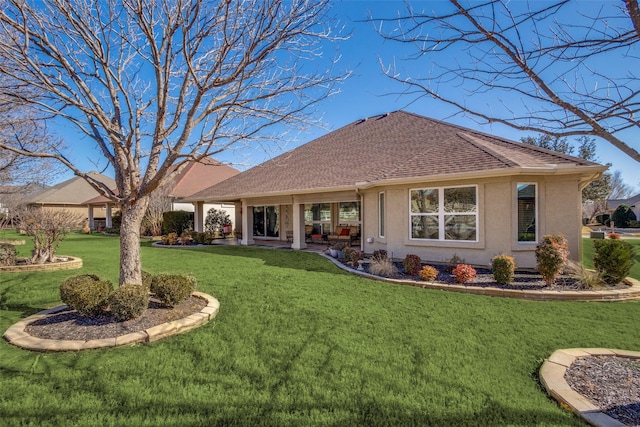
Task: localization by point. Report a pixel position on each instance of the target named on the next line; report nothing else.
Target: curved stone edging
(552, 375)
(72, 263)
(17, 336)
(631, 293)
(161, 245)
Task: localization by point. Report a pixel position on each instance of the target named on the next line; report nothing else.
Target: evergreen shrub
(613, 259)
(86, 294)
(172, 289)
(503, 268)
(128, 302)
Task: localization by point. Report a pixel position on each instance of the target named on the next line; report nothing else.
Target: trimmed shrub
(551, 256)
(614, 236)
(503, 268)
(428, 273)
(128, 302)
(170, 239)
(412, 264)
(146, 280)
(177, 222)
(622, 216)
(86, 294)
(7, 254)
(172, 289)
(463, 273)
(379, 255)
(613, 259)
(382, 267)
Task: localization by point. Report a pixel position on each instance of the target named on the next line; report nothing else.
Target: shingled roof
(74, 191)
(384, 149)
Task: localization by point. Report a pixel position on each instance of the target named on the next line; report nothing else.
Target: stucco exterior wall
(559, 211)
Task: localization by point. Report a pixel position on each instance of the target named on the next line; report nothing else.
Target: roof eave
(585, 171)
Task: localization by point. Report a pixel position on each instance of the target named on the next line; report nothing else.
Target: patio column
(109, 217)
(298, 227)
(91, 223)
(198, 216)
(247, 224)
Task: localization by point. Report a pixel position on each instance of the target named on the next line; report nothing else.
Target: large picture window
(527, 212)
(445, 213)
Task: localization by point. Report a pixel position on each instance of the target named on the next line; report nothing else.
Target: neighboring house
(193, 178)
(633, 202)
(71, 195)
(413, 185)
(12, 197)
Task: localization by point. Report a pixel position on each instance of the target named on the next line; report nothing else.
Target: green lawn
(299, 342)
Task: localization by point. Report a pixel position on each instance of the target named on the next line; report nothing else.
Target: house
(71, 195)
(633, 202)
(195, 177)
(413, 185)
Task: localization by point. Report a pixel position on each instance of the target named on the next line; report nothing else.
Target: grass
(299, 342)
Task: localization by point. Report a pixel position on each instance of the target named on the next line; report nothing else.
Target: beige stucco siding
(558, 204)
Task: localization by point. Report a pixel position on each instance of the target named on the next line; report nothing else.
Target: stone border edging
(631, 293)
(552, 375)
(72, 263)
(17, 336)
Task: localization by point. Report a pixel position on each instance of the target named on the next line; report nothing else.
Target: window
(527, 213)
(318, 215)
(266, 221)
(381, 215)
(444, 213)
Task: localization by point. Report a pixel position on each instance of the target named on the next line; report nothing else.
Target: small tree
(215, 220)
(47, 228)
(622, 216)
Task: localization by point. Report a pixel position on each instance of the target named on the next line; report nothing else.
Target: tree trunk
(130, 265)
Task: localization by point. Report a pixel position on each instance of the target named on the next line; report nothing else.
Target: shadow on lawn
(297, 260)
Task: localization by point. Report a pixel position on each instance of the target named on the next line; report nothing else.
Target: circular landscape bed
(61, 262)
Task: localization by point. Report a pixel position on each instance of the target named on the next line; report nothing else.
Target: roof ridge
(482, 145)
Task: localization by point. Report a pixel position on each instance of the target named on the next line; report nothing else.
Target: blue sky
(368, 92)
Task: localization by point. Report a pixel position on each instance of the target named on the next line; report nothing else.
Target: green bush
(146, 280)
(128, 302)
(503, 268)
(172, 289)
(7, 254)
(613, 259)
(551, 256)
(177, 222)
(86, 294)
(412, 264)
(622, 216)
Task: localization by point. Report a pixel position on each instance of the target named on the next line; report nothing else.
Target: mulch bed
(524, 280)
(610, 382)
(69, 325)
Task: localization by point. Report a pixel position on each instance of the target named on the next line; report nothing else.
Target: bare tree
(619, 190)
(157, 83)
(47, 228)
(13, 199)
(159, 203)
(550, 68)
